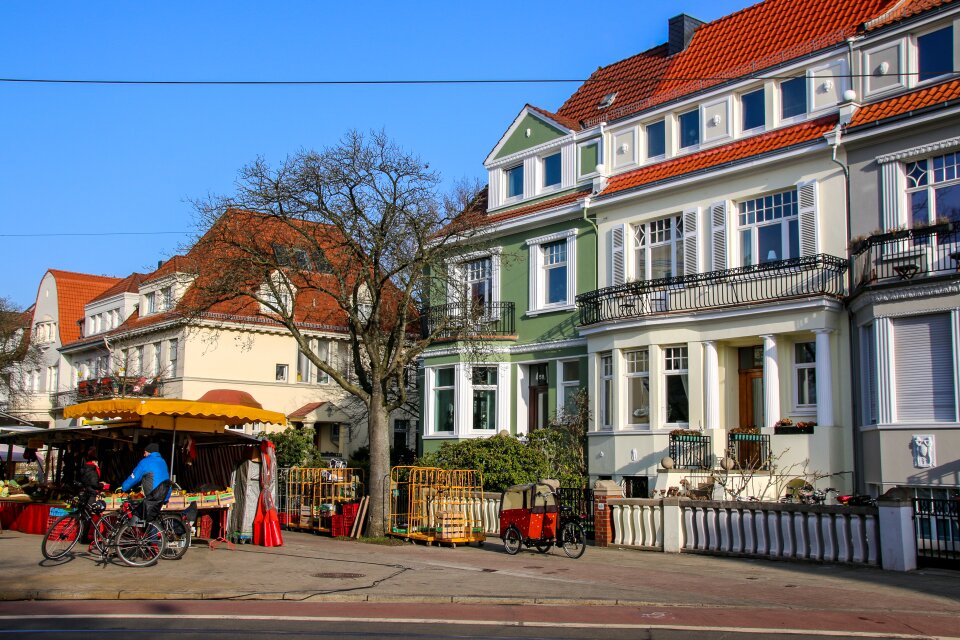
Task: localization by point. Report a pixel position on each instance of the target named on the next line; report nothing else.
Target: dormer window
(753, 110)
(689, 128)
(607, 100)
(151, 302)
(793, 97)
(935, 54)
(551, 171)
(656, 139)
(515, 181)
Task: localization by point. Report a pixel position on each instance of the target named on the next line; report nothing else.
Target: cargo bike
(533, 515)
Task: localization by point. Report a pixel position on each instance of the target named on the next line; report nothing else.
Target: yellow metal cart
(437, 505)
(313, 495)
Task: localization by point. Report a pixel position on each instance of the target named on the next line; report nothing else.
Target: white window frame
(497, 399)
(684, 358)
(633, 370)
(281, 372)
(809, 408)
(506, 183)
(431, 375)
(915, 54)
(800, 117)
(930, 187)
(783, 222)
(151, 302)
(646, 140)
(542, 172)
(537, 302)
(166, 298)
(173, 344)
(741, 111)
(563, 385)
(676, 241)
(157, 359)
(598, 142)
(608, 400)
(695, 146)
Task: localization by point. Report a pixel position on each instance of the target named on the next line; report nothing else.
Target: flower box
(792, 430)
(746, 437)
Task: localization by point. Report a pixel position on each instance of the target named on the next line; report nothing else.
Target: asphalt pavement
(413, 580)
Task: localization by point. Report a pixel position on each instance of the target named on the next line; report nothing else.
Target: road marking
(504, 623)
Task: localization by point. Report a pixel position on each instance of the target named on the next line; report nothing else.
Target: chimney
(159, 263)
(681, 32)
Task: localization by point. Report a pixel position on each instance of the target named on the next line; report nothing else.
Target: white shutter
(807, 200)
(618, 273)
(718, 221)
(455, 283)
(924, 368)
(690, 261)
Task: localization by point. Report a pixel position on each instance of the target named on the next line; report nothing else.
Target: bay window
(769, 228)
(638, 387)
(569, 386)
(805, 376)
(676, 382)
(444, 391)
(606, 391)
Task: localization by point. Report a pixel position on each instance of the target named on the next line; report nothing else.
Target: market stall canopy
(182, 415)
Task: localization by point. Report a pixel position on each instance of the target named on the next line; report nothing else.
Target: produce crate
(177, 503)
(226, 498)
(350, 509)
(451, 524)
(209, 501)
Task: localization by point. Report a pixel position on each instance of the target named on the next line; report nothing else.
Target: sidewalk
(320, 569)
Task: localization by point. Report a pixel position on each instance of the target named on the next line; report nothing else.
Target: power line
(99, 233)
(442, 81)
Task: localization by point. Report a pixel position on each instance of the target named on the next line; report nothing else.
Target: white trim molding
(922, 150)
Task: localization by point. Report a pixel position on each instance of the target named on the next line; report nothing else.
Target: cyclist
(152, 475)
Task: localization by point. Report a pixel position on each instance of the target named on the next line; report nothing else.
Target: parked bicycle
(533, 515)
(136, 543)
(178, 531)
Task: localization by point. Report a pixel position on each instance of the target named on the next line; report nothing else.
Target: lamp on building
(771, 255)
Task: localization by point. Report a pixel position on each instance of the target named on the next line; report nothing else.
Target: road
(238, 620)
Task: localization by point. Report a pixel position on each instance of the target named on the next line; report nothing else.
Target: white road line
(502, 623)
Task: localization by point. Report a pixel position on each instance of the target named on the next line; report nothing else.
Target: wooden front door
(537, 412)
(751, 387)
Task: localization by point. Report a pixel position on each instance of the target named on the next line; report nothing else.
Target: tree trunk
(378, 423)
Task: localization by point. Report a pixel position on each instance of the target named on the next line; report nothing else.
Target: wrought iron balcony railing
(470, 321)
(108, 387)
(749, 451)
(818, 275)
(908, 254)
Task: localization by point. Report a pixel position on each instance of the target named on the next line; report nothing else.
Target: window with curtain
(658, 248)
(676, 381)
(606, 391)
(805, 375)
(484, 381)
(638, 386)
(769, 228)
(443, 398)
(569, 385)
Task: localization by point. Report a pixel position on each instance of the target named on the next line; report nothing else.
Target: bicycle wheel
(512, 541)
(140, 545)
(62, 536)
(543, 545)
(103, 531)
(178, 537)
(573, 539)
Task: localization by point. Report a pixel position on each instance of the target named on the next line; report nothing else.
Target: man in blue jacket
(152, 475)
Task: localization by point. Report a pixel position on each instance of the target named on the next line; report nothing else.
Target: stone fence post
(898, 538)
(603, 490)
(672, 525)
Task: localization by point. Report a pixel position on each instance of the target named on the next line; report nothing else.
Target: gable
(540, 132)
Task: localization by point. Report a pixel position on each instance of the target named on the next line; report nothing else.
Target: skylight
(607, 100)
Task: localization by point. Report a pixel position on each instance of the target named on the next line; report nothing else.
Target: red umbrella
(266, 525)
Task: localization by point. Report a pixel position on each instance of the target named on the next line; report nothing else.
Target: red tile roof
(737, 45)
(778, 140)
(905, 103)
(130, 284)
(74, 291)
(176, 264)
(904, 9)
(305, 410)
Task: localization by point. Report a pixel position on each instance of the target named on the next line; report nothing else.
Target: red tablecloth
(27, 517)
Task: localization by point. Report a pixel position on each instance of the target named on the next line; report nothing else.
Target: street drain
(339, 575)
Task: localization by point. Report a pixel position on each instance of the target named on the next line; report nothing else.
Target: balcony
(465, 321)
(818, 275)
(108, 387)
(690, 450)
(906, 256)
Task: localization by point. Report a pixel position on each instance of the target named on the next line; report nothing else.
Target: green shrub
(503, 460)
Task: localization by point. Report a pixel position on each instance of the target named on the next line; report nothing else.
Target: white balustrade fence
(763, 530)
(491, 513)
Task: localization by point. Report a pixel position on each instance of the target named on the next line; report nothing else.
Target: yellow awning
(211, 415)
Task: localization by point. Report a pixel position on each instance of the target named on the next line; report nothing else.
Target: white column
(711, 385)
(824, 379)
(771, 381)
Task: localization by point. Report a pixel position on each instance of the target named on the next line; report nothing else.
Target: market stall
(202, 452)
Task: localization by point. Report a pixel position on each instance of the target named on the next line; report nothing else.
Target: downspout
(596, 246)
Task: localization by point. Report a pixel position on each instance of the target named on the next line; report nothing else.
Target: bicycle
(136, 543)
(177, 531)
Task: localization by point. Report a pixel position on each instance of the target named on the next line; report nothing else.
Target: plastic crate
(350, 509)
(55, 512)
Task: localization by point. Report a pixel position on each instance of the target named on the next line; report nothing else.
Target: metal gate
(582, 502)
(937, 523)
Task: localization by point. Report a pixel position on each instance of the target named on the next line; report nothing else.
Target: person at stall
(152, 476)
(89, 477)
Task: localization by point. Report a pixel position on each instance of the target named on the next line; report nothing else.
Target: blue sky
(98, 159)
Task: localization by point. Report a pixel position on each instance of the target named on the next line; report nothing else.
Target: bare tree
(18, 354)
(354, 238)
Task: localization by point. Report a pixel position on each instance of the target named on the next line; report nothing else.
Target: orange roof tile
(742, 43)
(752, 147)
(919, 99)
(903, 9)
(130, 284)
(74, 291)
(569, 123)
(176, 264)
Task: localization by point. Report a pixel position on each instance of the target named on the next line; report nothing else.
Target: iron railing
(749, 451)
(63, 399)
(817, 275)
(117, 387)
(691, 451)
(581, 501)
(937, 531)
(470, 321)
(908, 254)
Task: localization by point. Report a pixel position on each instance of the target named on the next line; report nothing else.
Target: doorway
(751, 387)
(538, 391)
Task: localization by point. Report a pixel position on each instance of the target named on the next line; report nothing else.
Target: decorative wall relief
(924, 451)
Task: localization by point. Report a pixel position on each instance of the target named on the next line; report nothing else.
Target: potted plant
(684, 435)
(785, 426)
(745, 433)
